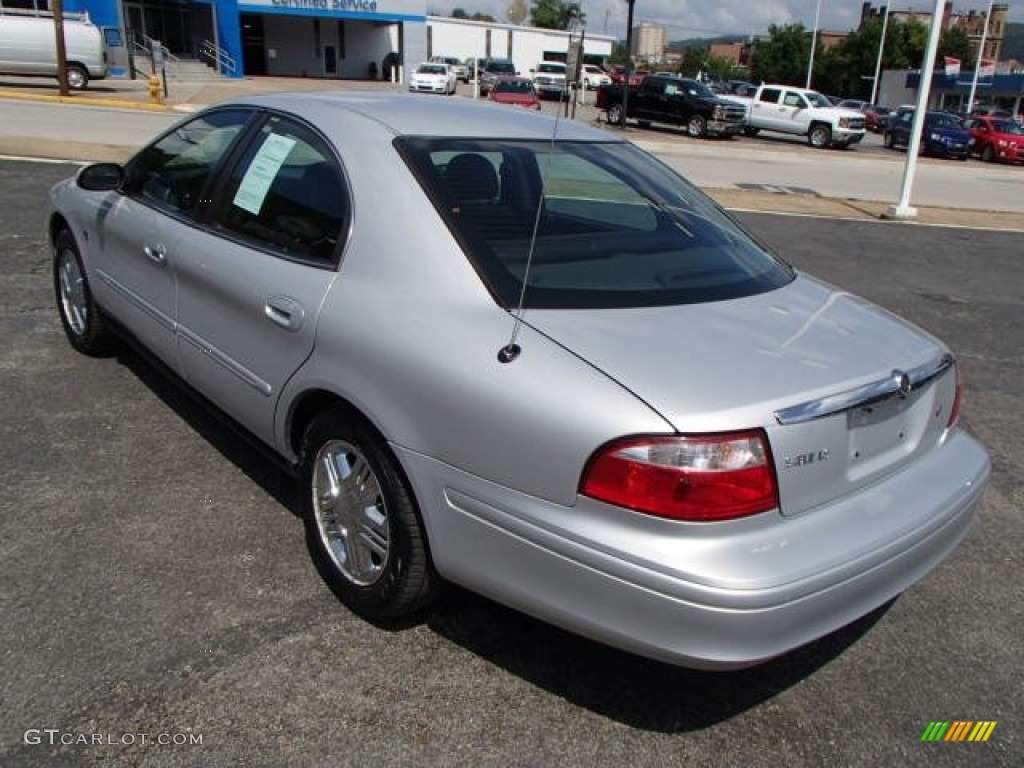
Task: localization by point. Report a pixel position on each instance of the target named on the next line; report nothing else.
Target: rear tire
(889, 140)
(77, 77)
(987, 155)
(85, 326)
(363, 526)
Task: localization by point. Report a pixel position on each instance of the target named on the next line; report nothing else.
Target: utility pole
(878, 64)
(981, 56)
(629, 63)
(814, 43)
(62, 56)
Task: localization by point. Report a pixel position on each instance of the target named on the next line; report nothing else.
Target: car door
(764, 109)
(255, 276)
(141, 226)
(650, 98)
(794, 113)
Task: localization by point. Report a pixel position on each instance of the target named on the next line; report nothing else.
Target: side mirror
(101, 177)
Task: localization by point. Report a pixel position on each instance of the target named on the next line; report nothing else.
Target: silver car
(542, 366)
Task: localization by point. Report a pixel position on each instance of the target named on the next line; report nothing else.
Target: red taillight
(958, 398)
(686, 477)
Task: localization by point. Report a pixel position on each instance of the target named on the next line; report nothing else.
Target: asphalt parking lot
(156, 584)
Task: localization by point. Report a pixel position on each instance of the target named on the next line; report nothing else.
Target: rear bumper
(713, 596)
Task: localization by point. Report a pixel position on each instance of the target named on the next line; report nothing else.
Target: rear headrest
(471, 178)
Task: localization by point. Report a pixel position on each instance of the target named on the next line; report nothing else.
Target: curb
(86, 101)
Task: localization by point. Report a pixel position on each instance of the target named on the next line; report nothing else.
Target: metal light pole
(814, 42)
(902, 209)
(981, 54)
(878, 64)
(629, 62)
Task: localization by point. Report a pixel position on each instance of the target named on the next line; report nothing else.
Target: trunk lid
(821, 370)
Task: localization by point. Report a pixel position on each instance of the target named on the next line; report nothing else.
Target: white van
(28, 46)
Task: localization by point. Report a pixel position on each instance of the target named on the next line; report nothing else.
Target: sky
(701, 18)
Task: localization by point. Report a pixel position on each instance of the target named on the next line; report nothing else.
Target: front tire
(697, 127)
(363, 526)
(85, 326)
(889, 140)
(751, 132)
(988, 155)
(820, 136)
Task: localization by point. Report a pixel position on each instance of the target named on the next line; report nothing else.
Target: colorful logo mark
(958, 730)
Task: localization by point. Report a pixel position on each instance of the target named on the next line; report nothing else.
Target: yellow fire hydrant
(156, 90)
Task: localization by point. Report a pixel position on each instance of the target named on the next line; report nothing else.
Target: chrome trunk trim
(897, 384)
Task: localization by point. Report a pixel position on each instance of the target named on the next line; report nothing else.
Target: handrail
(148, 41)
(222, 60)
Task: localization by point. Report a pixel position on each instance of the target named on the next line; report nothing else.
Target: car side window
(172, 172)
(770, 95)
(287, 194)
(657, 87)
(794, 100)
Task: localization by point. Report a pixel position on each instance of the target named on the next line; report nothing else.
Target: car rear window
(587, 224)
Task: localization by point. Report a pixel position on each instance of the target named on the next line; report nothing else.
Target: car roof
(408, 114)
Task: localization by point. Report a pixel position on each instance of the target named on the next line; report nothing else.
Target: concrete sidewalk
(186, 97)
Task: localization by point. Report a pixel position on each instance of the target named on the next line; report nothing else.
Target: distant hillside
(1013, 42)
(678, 46)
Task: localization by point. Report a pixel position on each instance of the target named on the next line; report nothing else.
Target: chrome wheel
(74, 302)
(820, 136)
(350, 511)
(76, 78)
(697, 127)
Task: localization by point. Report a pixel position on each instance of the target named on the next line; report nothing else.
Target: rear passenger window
(286, 194)
(770, 95)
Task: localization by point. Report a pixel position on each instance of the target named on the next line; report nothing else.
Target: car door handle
(284, 311)
(157, 253)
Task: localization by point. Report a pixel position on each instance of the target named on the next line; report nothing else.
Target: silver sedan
(522, 355)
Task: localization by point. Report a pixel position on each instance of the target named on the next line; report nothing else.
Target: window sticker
(261, 173)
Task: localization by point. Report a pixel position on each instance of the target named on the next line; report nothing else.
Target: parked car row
(674, 100)
(993, 139)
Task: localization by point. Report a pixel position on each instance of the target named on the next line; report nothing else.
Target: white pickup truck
(802, 112)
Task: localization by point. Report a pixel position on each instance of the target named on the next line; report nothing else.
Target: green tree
(459, 13)
(555, 14)
(955, 42)
(692, 61)
(619, 56)
(911, 42)
(783, 57)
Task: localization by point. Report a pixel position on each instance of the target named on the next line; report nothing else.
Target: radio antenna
(511, 351)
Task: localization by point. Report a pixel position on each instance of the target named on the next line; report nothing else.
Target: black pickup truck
(675, 101)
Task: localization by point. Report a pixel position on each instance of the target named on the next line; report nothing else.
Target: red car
(874, 117)
(997, 138)
(518, 91)
(618, 75)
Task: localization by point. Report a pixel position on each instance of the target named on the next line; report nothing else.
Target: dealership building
(350, 39)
